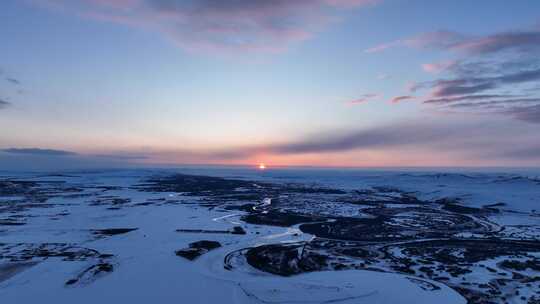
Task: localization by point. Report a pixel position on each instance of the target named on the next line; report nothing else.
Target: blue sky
(281, 82)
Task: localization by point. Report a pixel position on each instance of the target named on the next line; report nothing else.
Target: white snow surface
(148, 271)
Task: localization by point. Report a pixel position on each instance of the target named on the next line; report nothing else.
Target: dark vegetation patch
(462, 209)
(10, 222)
(455, 205)
(28, 251)
(425, 285)
(15, 187)
(285, 260)
(278, 218)
(21, 195)
(245, 207)
(91, 273)
(457, 251)
(495, 205)
(532, 264)
(355, 229)
(111, 231)
(250, 197)
(29, 254)
(10, 269)
(427, 259)
(234, 230)
(377, 196)
(114, 202)
(294, 188)
(194, 184)
(319, 254)
(217, 191)
(196, 249)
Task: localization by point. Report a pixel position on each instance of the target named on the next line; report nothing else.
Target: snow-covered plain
(58, 242)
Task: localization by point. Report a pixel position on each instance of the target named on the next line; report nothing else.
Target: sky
(360, 83)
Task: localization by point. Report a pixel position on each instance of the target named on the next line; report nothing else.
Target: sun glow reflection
(262, 166)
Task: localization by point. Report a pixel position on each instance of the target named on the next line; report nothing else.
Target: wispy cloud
(248, 25)
(389, 136)
(13, 80)
(363, 99)
(437, 39)
(126, 157)
(525, 113)
(471, 140)
(382, 47)
(523, 40)
(489, 87)
(530, 152)
(399, 134)
(4, 103)
(38, 151)
(123, 156)
(448, 100)
(494, 74)
(454, 87)
(438, 67)
(41, 159)
(518, 40)
(500, 95)
(13, 87)
(398, 99)
(465, 84)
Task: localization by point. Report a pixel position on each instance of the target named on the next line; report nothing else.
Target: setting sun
(262, 166)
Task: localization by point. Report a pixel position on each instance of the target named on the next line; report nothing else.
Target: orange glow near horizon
(262, 166)
(355, 158)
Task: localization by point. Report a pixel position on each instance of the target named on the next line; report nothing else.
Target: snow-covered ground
(53, 238)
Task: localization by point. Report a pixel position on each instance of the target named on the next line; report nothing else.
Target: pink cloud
(350, 3)
(500, 41)
(382, 47)
(453, 41)
(363, 99)
(242, 25)
(398, 99)
(436, 39)
(430, 39)
(438, 67)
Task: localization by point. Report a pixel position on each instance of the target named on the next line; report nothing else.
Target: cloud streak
(363, 99)
(38, 151)
(4, 104)
(448, 100)
(520, 41)
(399, 99)
(500, 91)
(398, 135)
(462, 85)
(433, 139)
(389, 136)
(525, 113)
(438, 66)
(13, 81)
(496, 74)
